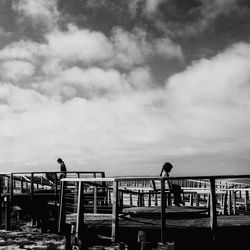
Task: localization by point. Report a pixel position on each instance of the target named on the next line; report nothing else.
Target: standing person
(63, 168)
(173, 188)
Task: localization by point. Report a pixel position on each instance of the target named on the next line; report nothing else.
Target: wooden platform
(170, 211)
(141, 223)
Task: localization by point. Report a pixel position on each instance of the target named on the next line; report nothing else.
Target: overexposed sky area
(123, 86)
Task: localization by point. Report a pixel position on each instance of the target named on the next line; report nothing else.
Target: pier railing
(19, 187)
(82, 198)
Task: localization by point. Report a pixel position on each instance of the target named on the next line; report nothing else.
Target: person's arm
(161, 171)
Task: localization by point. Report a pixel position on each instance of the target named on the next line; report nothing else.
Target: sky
(124, 86)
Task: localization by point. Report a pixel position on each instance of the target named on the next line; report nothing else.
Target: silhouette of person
(173, 188)
(63, 168)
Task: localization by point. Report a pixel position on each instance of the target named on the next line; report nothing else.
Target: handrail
(45, 172)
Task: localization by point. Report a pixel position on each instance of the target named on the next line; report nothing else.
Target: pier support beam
(115, 212)
(213, 216)
(163, 214)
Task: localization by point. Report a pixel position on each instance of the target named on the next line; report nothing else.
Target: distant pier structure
(91, 209)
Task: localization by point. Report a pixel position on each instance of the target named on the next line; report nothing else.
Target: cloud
(16, 70)
(87, 83)
(151, 6)
(141, 78)
(40, 12)
(168, 49)
(203, 110)
(75, 44)
(211, 99)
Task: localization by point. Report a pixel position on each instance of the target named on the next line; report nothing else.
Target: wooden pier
(142, 216)
(34, 194)
(130, 213)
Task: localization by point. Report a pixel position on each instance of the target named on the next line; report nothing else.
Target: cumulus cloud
(202, 110)
(40, 12)
(141, 78)
(124, 49)
(212, 100)
(87, 83)
(76, 44)
(16, 70)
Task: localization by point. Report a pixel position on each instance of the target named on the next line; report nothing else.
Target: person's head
(59, 160)
(167, 167)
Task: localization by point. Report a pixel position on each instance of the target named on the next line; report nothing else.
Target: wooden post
(230, 202)
(156, 198)
(213, 216)
(56, 197)
(56, 188)
(1, 199)
(32, 187)
(139, 199)
(95, 200)
(191, 199)
(234, 202)
(225, 203)
(7, 213)
(80, 210)
(149, 198)
(197, 200)
(114, 212)
(11, 188)
(62, 215)
(163, 214)
(32, 198)
(246, 199)
(142, 199)
(208, 201)
(131, 198)
(21, 188)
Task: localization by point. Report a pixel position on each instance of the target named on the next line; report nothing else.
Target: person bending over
(173, 188)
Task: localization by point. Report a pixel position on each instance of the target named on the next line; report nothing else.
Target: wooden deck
(142, 223)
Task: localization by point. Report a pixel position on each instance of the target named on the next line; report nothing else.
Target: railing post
(114, 212)
(80, 215)
(95, 200)
(149, 198)
(32, 198)
(11, 187)
(21, 188)
(1, 200)
(230, 202)
(213, 216)
(246, 199)
(32, 187)
(197, 200)
(234, 202)
(130, 198)
(163, 214)
(62, 215)
(56, 188)
(225, 203)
